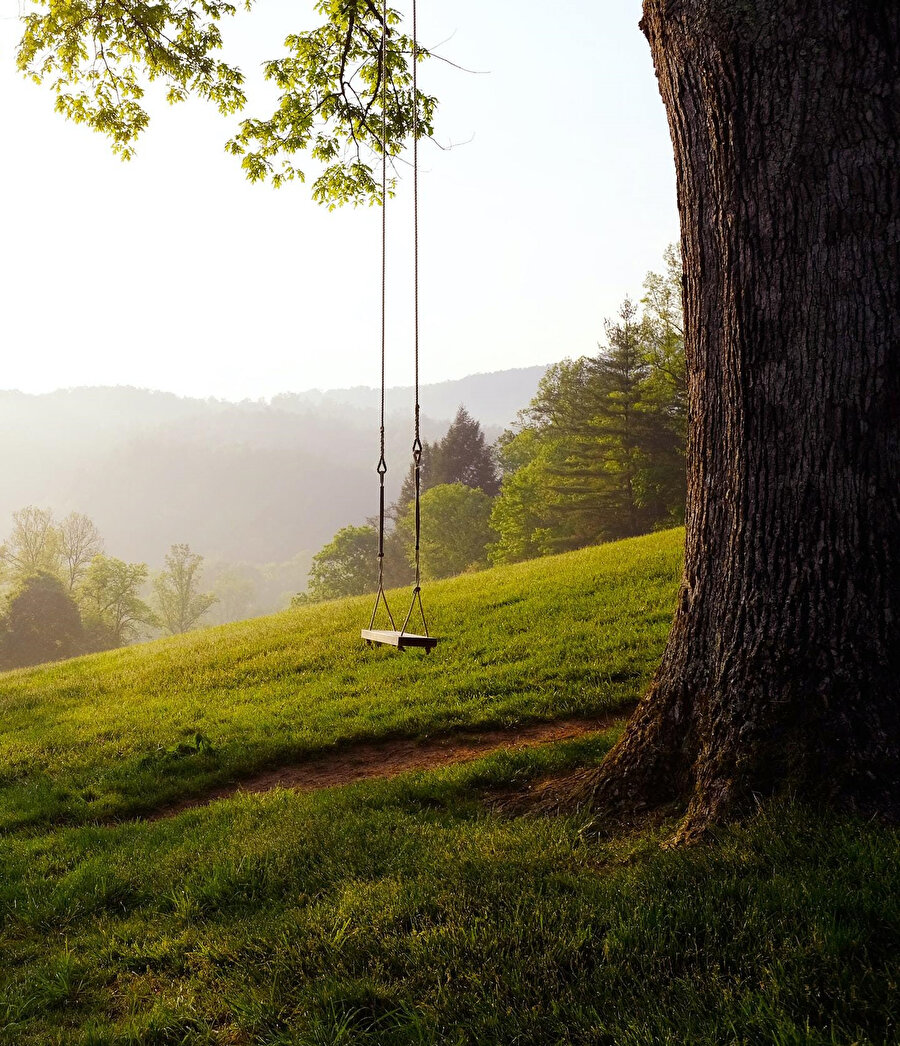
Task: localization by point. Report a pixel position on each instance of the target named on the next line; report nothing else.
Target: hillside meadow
(116, 733)
(409, 911)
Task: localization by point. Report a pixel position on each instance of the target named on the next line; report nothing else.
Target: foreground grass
(406, 912)
(115, 733)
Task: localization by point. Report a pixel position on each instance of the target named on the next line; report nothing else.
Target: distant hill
(494, 399)
(250, 482)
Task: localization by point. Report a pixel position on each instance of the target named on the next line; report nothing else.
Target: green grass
(115, 733)
(405, 911)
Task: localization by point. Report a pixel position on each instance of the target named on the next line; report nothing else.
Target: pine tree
(602, 451)
(462, 456)
(599, 453)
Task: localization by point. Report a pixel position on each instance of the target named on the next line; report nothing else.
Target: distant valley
(249, 482)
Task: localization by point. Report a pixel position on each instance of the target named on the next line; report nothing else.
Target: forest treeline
(61, 595)
(596, 456)
(64, 596)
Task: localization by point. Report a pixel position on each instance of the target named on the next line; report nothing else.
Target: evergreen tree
(599, 445)
(530, 515)
(462, 456)
(598, 454)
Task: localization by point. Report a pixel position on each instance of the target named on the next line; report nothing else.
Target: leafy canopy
(345, 566)
(455, 532)
(179, 600)
(34, 544)
(99, 56)
(38, 544)
(343, 99)
(111, 606)
(41, 623)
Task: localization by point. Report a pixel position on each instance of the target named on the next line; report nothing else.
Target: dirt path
(361, 761)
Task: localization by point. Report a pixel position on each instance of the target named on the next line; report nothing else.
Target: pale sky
(172, 272)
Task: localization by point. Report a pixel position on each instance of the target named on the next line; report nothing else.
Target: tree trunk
(782, 670)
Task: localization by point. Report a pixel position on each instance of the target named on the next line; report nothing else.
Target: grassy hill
(114, 733)
(407, 911)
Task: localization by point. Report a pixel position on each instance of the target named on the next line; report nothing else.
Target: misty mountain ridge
(493, 398)
(254, 482)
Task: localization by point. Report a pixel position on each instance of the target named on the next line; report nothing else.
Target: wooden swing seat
(398, 639)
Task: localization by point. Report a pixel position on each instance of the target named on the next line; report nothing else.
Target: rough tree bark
(782, 669)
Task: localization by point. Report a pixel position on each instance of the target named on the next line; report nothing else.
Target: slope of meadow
(115, 733)
(408, 911)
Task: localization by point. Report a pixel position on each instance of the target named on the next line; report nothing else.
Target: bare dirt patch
(362, 761)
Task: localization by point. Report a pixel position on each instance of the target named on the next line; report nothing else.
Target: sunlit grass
(406, 912)
(113, 733)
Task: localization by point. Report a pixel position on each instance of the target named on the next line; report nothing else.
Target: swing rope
(417, 441)
(381, 468)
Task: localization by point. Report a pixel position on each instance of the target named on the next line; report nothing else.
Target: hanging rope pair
(399, 638)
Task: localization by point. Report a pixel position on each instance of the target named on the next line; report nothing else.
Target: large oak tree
(783, 665)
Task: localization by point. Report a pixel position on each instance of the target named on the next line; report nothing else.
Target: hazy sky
(173, 272)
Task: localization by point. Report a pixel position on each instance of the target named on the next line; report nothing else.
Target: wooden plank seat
(398, 639)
